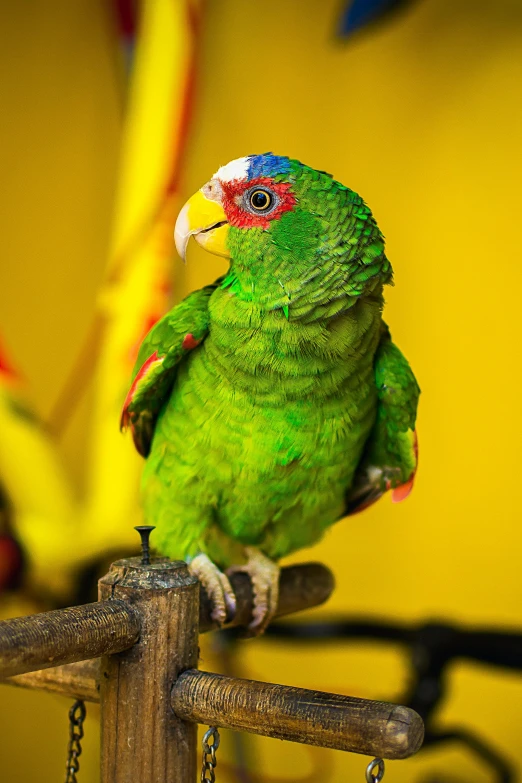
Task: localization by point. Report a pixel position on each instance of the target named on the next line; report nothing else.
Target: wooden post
(141, 737)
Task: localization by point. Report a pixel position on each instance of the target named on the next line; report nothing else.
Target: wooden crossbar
(296, 714)
(66, 635)
(313, 717)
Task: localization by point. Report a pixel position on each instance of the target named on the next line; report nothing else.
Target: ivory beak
(205, 220)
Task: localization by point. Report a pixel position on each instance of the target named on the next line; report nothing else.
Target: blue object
(361, 12)
(267, 165)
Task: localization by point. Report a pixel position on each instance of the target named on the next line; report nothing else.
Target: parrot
(273, 402)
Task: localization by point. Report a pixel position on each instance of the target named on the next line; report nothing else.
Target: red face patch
(239, 211)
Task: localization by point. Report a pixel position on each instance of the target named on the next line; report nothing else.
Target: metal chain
(76, 717)
(372, 777)
(210, 745)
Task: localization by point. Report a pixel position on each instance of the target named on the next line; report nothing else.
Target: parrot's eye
(260, 200)
(263, 201)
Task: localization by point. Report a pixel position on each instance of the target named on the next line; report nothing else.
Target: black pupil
(260, 199)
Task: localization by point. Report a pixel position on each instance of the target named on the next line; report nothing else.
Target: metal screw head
(145, 531)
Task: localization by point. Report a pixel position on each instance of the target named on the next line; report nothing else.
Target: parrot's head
(296, 238)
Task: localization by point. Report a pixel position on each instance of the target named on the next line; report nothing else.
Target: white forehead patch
(236, 169)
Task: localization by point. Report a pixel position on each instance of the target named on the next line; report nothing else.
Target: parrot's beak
(204, 219)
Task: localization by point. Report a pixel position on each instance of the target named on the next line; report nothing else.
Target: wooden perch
(66, 635)
(374, 728)
(300, 587)
(315, 718)
(332, 721)
(76, 680)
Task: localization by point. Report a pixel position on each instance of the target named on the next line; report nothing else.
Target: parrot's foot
(217, 586)
(264, 575)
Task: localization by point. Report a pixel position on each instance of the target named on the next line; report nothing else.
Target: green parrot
(273, 402)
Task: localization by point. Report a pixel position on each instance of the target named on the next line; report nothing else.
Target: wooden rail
(145, 628)
(300, 587)
(66, 635)
(315, 718)
(327, 719)
(75, 680)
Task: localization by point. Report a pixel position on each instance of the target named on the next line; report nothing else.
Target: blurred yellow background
(422, 117)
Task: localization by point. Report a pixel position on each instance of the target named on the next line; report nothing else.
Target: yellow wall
(423, 118)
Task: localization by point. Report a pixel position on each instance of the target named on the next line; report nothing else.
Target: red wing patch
(190, 342)
(401, 492)
(153, 361)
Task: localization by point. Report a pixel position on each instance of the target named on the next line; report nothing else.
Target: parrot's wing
(181, 330)
(390, 456)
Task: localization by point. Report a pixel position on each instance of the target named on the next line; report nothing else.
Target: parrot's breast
(265, 428)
